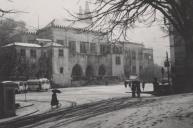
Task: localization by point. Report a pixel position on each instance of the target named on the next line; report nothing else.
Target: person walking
(133, 88)
(155, 85)
(143, 85)
(54, 100)
(138, 89)
(125, 84)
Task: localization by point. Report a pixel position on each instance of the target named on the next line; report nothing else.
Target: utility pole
(38, 23)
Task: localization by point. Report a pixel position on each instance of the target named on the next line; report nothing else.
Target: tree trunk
(189, 65)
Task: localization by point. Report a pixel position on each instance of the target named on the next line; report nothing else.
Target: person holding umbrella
(54, 100)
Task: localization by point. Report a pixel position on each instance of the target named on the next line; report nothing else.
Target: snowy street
(105, 107)
(76, 96)
(160, 112)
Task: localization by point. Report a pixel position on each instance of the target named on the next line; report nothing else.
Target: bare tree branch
(111, 16)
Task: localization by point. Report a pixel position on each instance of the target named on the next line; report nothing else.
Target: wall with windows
(147, 57)
(133, 58)
(60, 65)
(117, 65)
(28, 59)
(84, 40)
(92, 53)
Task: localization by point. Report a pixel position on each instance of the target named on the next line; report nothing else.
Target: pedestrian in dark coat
(138, 89)
(155, 85)
(143, 85)
(133, 88)
(125, 84)
(54, 100)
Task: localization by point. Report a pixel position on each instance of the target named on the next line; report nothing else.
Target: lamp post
(162, 71)
(167, 65)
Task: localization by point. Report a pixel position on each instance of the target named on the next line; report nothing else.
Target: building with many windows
(64, 52)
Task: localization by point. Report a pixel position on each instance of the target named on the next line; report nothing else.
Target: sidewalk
(39, 102)
(25, 109)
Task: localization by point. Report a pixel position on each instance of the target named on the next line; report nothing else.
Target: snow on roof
(53, 44)
(43, 40)
(23, 44)
(134, 43)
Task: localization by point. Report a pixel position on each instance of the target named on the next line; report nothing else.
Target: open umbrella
(56, 91)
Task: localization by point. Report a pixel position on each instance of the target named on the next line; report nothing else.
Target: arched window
(76, 72)
(89, 72)
(102, 70)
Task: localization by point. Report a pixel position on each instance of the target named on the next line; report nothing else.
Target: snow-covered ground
(170, 112)
(120, 111)
(75, 96)
(175, 111)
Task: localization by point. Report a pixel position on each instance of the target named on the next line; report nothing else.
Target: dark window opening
(77, 72)
(33, 53)
(60, 53)
(118, 60)
(61, 70)
(93, 48)
(72, 46)
(83, 47)
(22, 52)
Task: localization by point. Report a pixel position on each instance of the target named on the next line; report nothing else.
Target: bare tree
(3, 12)
(117, 16)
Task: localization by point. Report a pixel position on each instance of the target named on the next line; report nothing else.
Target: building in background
(63, 52)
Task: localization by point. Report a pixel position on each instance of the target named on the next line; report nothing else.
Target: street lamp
(167, 65)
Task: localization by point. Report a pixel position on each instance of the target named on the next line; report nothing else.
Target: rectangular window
(60, 53)
(72, 46)
(33, 53)
(102, 49)
(140, 54)
(133, 55)
(93, 48)
(108, 49)
(83, 47)
(22, 52)
(118, 60)
(105, 49)
(61, 70)
(134, 69)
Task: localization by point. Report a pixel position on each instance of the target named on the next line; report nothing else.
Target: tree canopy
(11, 31)
(121, 15)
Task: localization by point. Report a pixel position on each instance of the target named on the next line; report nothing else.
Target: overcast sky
(47, 10)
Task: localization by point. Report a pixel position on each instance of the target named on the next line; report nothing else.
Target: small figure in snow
(54, 100)
(138, 90)
(143, 85)
(133, 88)
(155, 85)
(125, 84)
